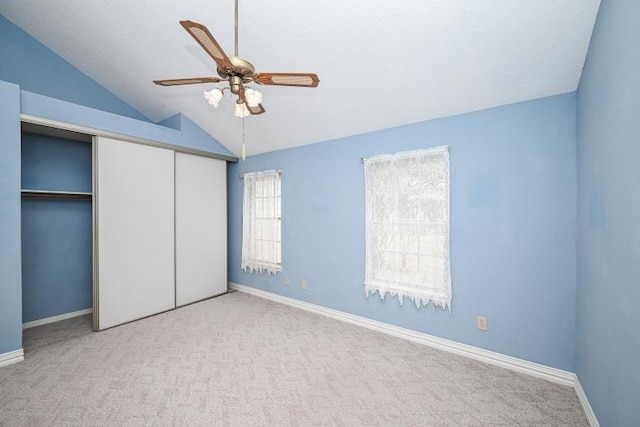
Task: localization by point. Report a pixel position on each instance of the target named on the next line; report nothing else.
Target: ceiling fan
(237, 72)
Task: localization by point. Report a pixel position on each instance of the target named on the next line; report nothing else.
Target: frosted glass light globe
(213, 97)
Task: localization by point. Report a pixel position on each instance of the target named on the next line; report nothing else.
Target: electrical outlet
(287, 281)
(303, 284)
(482, 323)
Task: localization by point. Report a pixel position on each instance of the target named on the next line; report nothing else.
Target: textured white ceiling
(380, 63)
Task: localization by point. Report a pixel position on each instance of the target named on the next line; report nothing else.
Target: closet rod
(40, 194)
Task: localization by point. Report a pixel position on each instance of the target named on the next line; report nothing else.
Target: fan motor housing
(241, 68)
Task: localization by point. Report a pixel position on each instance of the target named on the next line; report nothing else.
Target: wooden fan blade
(204, 38)
(193, 81)
(287, 79)
(259, 109)
(255, 110)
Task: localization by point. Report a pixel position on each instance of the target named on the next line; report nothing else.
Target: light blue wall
(50, 163)
(608, 338)
(192, 136)
(513, 209)
(28, 63)
(10, 272)
(56, 234)
(56, 257)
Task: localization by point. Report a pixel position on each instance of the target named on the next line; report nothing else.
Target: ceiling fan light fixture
(253, 97)
(213, 97)
(241, 110)
(237, 72)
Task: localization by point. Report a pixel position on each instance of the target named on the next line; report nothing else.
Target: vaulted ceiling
(381, 63)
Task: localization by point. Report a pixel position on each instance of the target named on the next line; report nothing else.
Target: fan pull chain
(244, 150)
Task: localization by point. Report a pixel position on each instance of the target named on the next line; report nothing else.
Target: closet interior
(57, 235)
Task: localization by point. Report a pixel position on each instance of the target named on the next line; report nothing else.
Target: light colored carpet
(238, 360)
(41, 336)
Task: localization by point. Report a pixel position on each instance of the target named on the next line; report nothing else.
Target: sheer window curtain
(407, 226)
(261, 222)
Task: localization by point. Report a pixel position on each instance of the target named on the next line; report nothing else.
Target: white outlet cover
(482, 323)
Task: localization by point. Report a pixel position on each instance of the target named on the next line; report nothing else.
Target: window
(407, 226)
(261, 222)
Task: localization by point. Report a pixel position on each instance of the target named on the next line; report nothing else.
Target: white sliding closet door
(201, 228)
(135, 231)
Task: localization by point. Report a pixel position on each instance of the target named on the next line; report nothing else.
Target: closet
(154, 226)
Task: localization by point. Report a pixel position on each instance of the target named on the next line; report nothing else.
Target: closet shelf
(51, 194)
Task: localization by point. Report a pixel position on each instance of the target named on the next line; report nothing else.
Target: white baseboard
(11, 357)
(57, 318)
(586, 406)
(555, 375)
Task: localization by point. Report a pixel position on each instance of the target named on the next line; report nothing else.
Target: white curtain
(407, 226)
(261, 222)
